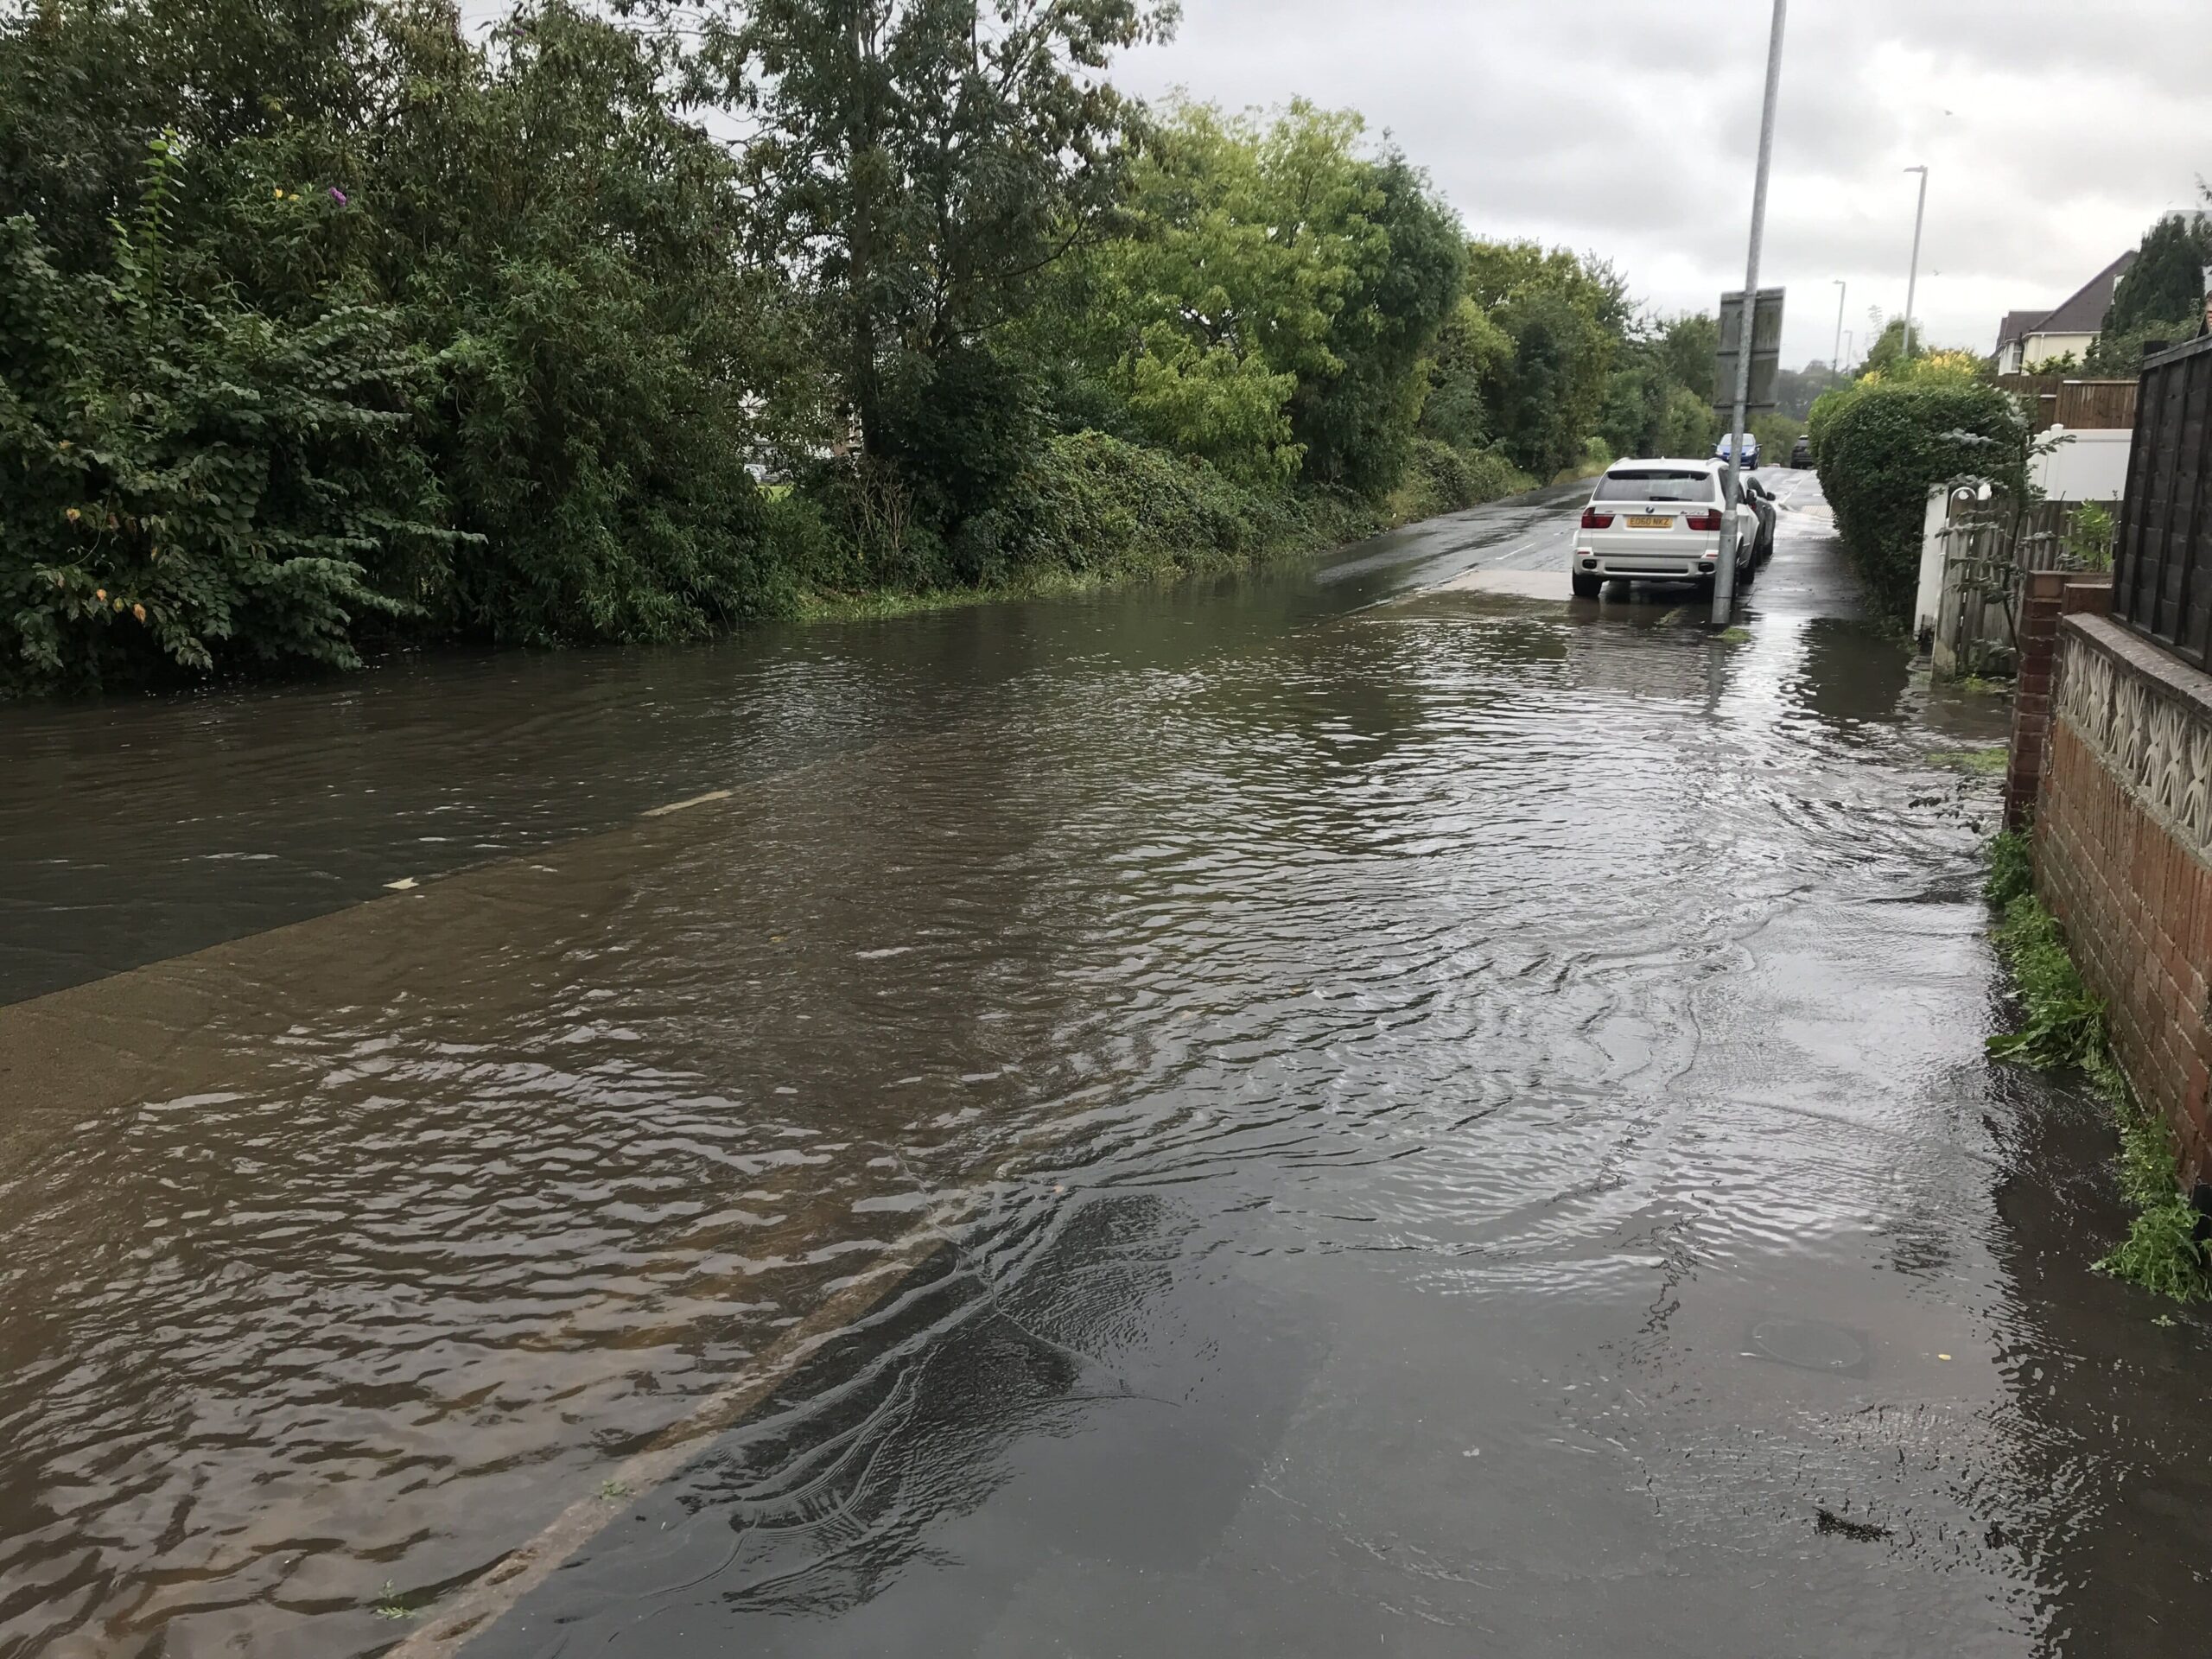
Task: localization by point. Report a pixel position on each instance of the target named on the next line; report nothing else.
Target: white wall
(2091, 466)
(1930, 593)
(2041, 348)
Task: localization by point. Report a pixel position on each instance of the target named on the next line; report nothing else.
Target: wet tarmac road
(1228, 1121)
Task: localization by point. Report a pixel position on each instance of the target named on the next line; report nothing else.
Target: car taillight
(1593, 519)
(1703, 521)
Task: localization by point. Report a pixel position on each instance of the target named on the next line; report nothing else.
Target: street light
(1912, 281)
(1724, 578)
(1835, 357)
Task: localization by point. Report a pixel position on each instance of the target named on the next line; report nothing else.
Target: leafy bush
(2089, 536)
(1879, 448)
(2119, 352)
(1090, 508)
(1441, 479)
(1943, 366)
(593, 331)
(405, 336)
(1776, 434)
(1826, 407)
(191, 484)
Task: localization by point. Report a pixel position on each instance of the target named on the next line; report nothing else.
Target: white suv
(1658, 521)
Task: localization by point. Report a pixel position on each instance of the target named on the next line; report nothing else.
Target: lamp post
(1724, 579)
(1912, 279)
(1835, 357)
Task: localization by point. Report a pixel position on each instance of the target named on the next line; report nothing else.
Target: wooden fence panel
(2096, 405)
(2161, 586)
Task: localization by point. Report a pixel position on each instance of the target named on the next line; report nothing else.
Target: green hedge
(1088, 507)
(1441, 479)
(1880, 447)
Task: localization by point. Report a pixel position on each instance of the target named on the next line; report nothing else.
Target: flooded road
(1307, 1115)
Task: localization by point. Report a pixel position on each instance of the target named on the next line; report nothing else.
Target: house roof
(2083, 311)
(2016, 325)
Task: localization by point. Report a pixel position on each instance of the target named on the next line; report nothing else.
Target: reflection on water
(1351, 1077)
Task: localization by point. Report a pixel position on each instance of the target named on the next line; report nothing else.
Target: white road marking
(677, 806)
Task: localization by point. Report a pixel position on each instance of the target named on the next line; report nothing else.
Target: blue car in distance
(1751, 460)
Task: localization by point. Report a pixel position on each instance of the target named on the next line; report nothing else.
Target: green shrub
(1441, 479)
(1775, 433)
(1826, 407)
(192, 485)
(2089, 537)
(1088, 508)
(1880, 447)
(404, 336)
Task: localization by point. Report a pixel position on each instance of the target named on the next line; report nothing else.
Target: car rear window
(1674, 486)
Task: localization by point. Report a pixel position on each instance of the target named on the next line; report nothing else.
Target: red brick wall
(2136, 904)
(2039, 612)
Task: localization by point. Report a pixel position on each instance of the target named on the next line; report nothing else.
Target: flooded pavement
(1311, 1116)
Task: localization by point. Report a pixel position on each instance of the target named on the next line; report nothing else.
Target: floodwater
(1307, 1115)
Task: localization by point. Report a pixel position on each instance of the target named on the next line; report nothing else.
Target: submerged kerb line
(522, 1569)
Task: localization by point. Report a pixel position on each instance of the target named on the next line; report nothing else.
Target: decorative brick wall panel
(2123, 858)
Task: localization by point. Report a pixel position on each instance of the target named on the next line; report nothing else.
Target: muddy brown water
(1289, 1117)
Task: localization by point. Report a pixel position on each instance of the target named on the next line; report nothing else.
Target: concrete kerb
(530, 1564)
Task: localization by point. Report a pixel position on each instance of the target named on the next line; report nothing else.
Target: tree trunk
(862, 161)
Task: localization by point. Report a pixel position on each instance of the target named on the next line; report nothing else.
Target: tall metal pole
(1912, 280)
(1724, 579)
(1836, 357)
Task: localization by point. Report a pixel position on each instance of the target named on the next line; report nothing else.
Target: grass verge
(2064, 1028)
(1097, 515)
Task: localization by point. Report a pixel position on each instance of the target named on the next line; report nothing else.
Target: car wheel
(1588, 587)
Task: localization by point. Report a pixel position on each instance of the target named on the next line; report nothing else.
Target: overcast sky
(2054, 131)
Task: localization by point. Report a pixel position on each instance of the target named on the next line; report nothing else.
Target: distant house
(2026, 340)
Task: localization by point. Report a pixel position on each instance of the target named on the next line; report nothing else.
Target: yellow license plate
(1651, 521)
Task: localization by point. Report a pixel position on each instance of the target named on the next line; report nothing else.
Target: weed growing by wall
(2064, 1028)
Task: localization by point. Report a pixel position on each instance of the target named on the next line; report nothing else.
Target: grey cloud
(1627, 127)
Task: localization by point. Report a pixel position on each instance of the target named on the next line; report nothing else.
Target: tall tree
(1566, 317)
(1658, 401)
(2166, 285)
(917, 165)
(1357, 423)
